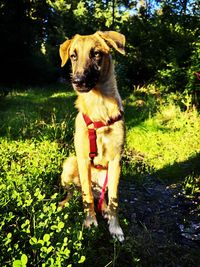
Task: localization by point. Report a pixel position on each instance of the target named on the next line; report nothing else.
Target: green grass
(39, 113)
(36, 135)
(175, 141)
(165, 135)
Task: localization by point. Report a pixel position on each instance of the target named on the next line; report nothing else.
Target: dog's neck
(103, 102)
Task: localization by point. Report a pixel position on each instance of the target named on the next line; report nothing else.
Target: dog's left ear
(64, 51)
(114, 39)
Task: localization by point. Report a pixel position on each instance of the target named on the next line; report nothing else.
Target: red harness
(93, 147)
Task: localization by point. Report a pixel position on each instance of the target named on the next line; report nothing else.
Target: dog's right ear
(64, 51)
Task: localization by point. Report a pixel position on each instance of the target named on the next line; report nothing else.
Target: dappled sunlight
(40, 114)
(62, 95)
(167, 137)
(162, 142)
(158, 77)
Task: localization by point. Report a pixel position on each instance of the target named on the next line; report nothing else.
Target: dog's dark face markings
(86, 58)
(90, 58)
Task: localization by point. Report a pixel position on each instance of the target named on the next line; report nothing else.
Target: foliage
(166, 131)
(191, 185)
(162, 140)
(37, 114)
(33, 229)
(193, 72)
(162, 39)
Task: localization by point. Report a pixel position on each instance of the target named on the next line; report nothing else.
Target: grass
(166, 132)
(36, 134)
(37, 113)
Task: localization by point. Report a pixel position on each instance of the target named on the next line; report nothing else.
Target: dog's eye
(73, 57)
(97, 54)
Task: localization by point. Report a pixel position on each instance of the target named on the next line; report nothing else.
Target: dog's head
(90, 57)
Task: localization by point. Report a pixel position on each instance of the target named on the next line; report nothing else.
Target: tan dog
(99, 102)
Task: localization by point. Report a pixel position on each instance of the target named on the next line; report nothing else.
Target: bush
(34, 230)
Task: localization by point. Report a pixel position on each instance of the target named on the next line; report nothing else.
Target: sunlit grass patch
(42, 114)
(163, 148)
(34, 229)
(26, 163)
(32, 225)
(166, 137)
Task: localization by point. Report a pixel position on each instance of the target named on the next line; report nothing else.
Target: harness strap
(92, 132)
(102, 196)
(93, 147)
(97, 124)
(93, 144)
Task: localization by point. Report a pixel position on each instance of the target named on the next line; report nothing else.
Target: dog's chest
(98, 107)
(109, 141)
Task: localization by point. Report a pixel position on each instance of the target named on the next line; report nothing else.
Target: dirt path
(164, 223)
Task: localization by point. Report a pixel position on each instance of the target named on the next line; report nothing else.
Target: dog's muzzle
(79, 83)
(83, 83)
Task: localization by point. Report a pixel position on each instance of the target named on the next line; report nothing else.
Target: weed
(191, 185)
(36, 135)
(167, 137)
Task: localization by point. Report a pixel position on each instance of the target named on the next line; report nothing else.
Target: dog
(99, 126)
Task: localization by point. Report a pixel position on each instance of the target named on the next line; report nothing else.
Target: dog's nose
(78, 80)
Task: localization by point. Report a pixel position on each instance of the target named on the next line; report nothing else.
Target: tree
(22, 31)
(161, 37)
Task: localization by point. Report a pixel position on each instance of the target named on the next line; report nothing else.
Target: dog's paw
(115, 229)
(90, 220)
(62, 203)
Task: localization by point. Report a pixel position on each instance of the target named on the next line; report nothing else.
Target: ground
(163, 222)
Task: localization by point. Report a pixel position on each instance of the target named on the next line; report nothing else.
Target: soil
(163, 222)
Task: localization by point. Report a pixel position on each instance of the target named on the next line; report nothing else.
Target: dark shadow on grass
(25, 116)
(136, 114)
(178, 171)
(21, 112)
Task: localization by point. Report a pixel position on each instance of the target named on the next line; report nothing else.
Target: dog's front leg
(114, 170)
(84, 167)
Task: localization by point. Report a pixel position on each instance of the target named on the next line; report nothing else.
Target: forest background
(162, 39)
(158, 79)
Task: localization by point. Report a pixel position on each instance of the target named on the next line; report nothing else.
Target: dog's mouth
(83, 87)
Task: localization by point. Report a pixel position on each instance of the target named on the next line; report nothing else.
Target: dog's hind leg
(69, 177)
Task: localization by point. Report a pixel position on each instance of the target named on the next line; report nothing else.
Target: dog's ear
(114, 39)
(64, 51)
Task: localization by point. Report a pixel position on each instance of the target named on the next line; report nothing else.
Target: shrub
(34, 230)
